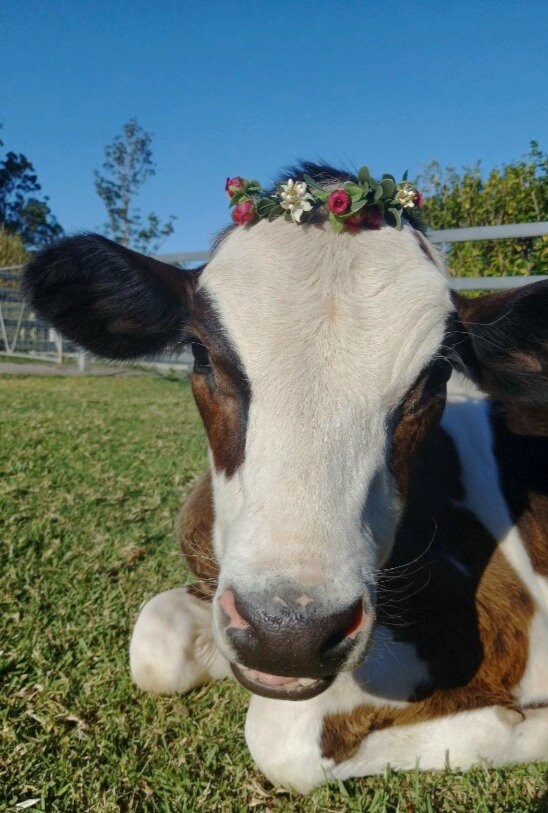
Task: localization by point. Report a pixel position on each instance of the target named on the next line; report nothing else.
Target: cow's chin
(278, 687)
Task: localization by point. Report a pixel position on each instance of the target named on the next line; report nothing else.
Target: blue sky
(247, 87)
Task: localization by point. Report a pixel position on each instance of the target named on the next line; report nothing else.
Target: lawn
(92, 472)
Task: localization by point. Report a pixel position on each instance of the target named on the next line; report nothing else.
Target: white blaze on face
(331, 330)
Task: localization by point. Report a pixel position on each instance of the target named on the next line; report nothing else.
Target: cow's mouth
(278, 686)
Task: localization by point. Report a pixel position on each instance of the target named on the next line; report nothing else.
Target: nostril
(353, 621)
(227, 602)
(358, 623)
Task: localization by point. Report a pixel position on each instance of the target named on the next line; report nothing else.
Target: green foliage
(515, 193)
(12, 250)
(92, 474)
(22, 210)
(128, 164)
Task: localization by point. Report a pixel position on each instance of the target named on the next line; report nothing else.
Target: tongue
(269, 680)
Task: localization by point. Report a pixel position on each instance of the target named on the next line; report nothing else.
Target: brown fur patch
(220, 407)
(194, 530)
(415, 416)
(221, 391)
(469, 623)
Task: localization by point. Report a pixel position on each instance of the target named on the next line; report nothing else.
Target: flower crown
(354, 205)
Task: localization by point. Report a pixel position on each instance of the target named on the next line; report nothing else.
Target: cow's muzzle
(288, 646)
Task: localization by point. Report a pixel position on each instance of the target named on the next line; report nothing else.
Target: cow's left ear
(501, 342)
(109, 299)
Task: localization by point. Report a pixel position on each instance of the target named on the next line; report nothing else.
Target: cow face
(320, 365)
(324, 338)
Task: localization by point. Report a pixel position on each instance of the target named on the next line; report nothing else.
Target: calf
(364, 544)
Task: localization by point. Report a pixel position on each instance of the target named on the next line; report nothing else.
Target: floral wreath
(355, 205)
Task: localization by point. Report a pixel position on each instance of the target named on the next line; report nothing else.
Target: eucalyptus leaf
(388, 187)
(275, 212)
(393, 217)
(364, 175)
(338, 225)
(357, 205)
(312, 183)
(379, 193)
(353, 189)
(264, 206)
(387, 177)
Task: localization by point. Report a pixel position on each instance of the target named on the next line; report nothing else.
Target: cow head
(320, 365)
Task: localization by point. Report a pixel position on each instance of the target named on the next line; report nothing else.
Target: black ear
(502, 342)
(109, 299)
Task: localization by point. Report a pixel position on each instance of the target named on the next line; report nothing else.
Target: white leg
(491, 736)
(284, 738)
(172, 647)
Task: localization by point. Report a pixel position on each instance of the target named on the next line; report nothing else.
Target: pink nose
(227, 602)
(291, 635)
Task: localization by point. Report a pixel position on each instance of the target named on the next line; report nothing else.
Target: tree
(128, 163)
(515, 193)
(12, 251)
(22, 211)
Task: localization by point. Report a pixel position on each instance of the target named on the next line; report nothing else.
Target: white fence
(24, 335)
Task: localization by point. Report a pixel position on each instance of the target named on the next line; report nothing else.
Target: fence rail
(22, 334)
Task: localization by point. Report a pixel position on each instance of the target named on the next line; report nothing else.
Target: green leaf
(387, 177)
(357, 206)
(393, 217)
(353, 189)
(379, 193)
(288, 217)
(318, 191)
(364, 175)
(338, 225)
(388, 187)
(275, 212)
(405, 174)
(264, 206)
(238, 197)
(310, 182)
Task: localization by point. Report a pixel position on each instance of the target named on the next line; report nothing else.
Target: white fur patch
(533, 686)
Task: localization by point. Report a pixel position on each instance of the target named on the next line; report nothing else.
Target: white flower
(406, 197)
(296, 199)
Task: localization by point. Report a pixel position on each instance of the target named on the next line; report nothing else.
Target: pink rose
(235, 183)
(243, 212)
(372, 217)
(368, 218)
(418, 200)
(338, 202)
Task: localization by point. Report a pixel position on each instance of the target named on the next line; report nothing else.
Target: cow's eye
(201, 356)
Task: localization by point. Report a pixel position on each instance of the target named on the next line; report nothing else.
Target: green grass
(92, 472)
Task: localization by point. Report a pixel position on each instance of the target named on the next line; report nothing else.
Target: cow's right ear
(111, 300)
(501, 342)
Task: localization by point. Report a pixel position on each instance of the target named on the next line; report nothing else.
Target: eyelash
(201, 356)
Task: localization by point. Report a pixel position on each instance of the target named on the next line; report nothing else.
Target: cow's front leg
(172, 647)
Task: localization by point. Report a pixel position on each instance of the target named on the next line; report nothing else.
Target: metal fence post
(83, 361)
